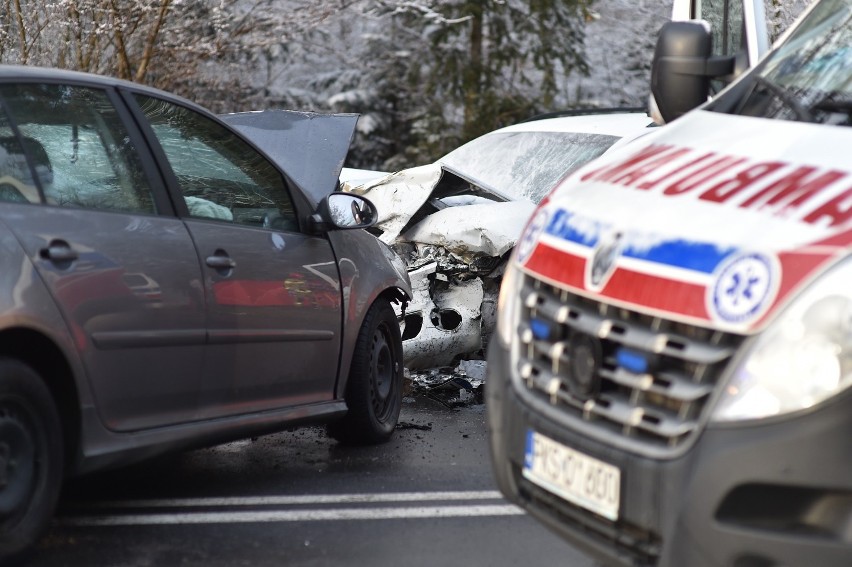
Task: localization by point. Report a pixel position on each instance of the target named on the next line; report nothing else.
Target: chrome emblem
(602, 264)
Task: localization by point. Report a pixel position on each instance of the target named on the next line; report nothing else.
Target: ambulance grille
(644, 379)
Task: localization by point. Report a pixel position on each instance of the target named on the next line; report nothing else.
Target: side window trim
(162, 204)
(13, 126)
(756, 32)
(168, 182)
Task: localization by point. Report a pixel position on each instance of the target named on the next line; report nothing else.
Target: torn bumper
(443, 320)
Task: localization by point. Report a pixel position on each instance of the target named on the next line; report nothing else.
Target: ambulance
(669, 383)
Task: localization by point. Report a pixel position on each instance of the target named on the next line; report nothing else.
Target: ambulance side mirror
(683, 66)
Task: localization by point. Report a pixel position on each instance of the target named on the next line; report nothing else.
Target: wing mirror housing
(683, 66)
(344, 211)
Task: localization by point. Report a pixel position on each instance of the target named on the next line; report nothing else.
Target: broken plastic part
(446, 319)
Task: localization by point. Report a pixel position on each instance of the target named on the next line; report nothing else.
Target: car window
(808, 77)
(77, 147)
(726, 21)
(221, 177)
(16, 180)
(526, 165)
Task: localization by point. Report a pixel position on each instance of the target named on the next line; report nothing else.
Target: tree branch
(22, 32)
(151, 41)
(120, 47)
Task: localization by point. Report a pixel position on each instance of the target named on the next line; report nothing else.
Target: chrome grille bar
(653, 380)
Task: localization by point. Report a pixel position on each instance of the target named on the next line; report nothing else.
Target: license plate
(572, 475)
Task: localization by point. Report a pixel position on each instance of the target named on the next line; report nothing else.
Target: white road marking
(292, 515)
(238, 515)
(303, 499)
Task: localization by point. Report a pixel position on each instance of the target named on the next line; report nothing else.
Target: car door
(126, 279)
(273, 295)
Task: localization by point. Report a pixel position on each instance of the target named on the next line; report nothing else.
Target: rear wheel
(30, 459)
(374, 390)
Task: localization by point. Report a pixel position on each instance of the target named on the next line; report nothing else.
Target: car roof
(29, 73)
(50, 73)
(621, 124)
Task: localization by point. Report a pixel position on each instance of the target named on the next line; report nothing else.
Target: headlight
(802, 359)
(508, 302)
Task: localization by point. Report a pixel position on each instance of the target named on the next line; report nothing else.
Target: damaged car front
(455, 221)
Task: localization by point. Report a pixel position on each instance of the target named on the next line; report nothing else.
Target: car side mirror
(683, 66)
(345, 211)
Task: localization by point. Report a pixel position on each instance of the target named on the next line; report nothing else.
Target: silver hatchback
(165, 283)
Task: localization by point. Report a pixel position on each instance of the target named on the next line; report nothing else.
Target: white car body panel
(453, 308)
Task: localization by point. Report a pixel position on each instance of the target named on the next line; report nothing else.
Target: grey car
(165, 284)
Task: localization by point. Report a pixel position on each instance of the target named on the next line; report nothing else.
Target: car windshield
(809, 77)
(525, 165)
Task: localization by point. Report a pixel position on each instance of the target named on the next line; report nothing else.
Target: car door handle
(221, 261)
(59, 251)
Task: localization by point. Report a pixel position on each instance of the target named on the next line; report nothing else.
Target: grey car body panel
(310, 147)
(130, 345)
(141, 340)
(277, 311)
(106, 449)
(362, 282)
(25, 302)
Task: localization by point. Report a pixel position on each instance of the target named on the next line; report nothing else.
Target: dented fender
(364, 278)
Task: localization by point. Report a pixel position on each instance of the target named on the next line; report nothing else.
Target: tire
(374, 390)
(31, 459)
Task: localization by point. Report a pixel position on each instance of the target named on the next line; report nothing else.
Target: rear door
(273, 293)
(126, 279)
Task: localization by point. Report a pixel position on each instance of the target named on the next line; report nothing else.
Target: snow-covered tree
(201, 49)
(475, 65)
(781, 13)
(149, 41)
(425, 75)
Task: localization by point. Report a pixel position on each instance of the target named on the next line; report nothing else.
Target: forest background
(425, 75)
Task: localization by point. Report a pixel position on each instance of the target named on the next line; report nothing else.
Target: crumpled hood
(310, 147)
(468, 227)
(714, 219)
(399, 196)
(490, 229)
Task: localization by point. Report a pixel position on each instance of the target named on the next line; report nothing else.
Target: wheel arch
(374, 385)
(393, 295)
(44, 356)
(369, 270)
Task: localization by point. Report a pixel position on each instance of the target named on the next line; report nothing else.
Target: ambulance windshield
(809, 77)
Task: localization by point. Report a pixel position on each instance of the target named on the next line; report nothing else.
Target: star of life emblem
(743, 288)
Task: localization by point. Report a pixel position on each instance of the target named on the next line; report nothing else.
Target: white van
(670, 385)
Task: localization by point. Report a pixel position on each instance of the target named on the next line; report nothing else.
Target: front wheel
(30, 459)
(374, 390)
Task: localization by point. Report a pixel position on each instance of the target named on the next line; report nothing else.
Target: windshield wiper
(835, 112)
(802, 113)
(829, 105)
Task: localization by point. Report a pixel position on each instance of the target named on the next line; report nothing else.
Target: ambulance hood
(716, 220)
